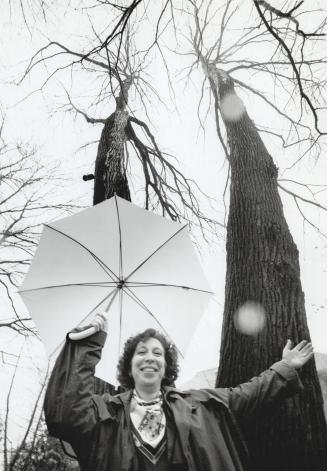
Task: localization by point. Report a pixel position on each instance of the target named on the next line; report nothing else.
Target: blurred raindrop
(250, 318)
(232, 107)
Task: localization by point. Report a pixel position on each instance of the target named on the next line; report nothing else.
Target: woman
(154, 426)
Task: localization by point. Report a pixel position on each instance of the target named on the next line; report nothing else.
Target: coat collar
(171, 392)
(122, 399)
(125, 397)
(198, 395)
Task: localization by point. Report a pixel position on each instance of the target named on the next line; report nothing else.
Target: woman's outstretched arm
(278, 382)
(71, 409)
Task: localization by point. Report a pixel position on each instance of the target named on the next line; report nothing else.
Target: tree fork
(263, 266)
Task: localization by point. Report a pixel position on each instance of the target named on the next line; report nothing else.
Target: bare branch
(167, 183)
(27, 200)
(298, 197)
(7, 412)
(289, 54)
(28, 429)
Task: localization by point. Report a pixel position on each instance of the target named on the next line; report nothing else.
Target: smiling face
(148, 365)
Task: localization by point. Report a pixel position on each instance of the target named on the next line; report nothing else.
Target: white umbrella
(115, 257)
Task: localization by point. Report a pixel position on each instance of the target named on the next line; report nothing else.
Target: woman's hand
(299, 355)
(98, 323)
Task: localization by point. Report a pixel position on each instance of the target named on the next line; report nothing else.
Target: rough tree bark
(110, 169)
(263, 266)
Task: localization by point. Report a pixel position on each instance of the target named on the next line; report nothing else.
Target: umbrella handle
(83, 334)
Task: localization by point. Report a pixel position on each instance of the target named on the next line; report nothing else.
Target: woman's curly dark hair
(171, 356)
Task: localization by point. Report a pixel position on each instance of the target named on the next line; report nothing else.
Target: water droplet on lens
(232, 107)
(250, 318)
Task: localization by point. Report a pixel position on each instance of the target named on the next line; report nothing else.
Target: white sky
(59, 135)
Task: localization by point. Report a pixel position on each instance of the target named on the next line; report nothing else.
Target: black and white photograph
(163, 235)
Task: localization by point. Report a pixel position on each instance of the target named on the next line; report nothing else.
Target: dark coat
(98, 427)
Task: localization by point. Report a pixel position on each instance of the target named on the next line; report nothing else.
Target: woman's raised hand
(299, 355)
(98, 323)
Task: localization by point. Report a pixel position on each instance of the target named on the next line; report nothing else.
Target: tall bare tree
(262, 258)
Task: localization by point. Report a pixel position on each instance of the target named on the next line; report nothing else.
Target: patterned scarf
(148, 419)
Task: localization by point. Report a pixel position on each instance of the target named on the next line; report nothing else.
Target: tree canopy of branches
(273, 53)
(25, 202)
(126, 140)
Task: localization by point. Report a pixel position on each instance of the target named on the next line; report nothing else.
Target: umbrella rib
(102, 284)
(112, 293)
(140, 284)
(120, 317)
(120, 242)
(138, 301)
(85, 317)
(107, 270)
(155, 251)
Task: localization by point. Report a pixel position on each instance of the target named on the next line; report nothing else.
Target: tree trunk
(263, 266)
(110, 170)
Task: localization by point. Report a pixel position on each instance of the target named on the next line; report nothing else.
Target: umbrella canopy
(115, 257)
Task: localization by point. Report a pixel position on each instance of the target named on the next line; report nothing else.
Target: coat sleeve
(277, 383)
(71, 409)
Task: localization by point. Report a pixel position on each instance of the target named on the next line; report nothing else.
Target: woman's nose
(149, 357)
